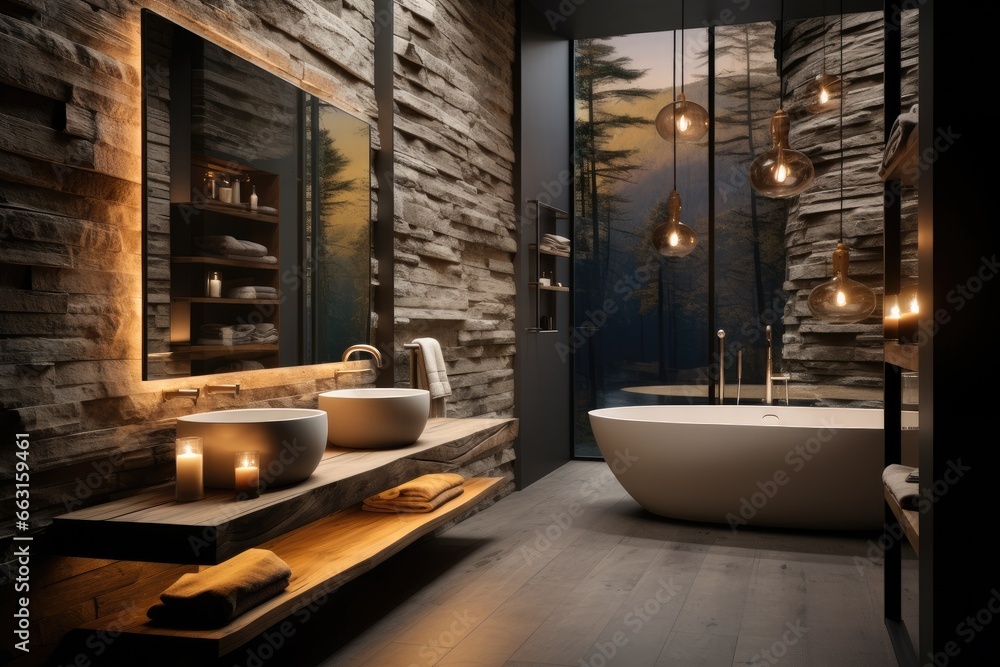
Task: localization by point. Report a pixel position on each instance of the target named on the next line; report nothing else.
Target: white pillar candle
(247, 471)
(190, 481)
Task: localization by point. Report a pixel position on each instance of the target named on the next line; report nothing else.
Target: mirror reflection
(256, 222)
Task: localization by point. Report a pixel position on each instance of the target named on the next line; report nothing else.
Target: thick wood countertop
(153, 526)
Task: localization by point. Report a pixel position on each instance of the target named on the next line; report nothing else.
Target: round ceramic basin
(289, 441)
(375, 417)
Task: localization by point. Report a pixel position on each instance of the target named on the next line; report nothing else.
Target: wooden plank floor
(571, 571)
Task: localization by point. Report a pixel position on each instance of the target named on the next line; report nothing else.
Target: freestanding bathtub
(766, 465)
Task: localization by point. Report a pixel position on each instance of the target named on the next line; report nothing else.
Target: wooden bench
(909, 520)
(323, 555)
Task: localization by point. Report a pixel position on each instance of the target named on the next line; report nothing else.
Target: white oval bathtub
(767, 465)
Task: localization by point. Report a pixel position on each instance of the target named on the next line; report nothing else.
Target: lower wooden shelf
(323, 555)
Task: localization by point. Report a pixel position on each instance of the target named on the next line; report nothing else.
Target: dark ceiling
(576, 19)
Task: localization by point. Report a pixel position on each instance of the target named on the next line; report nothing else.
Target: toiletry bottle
(253, 199)
(236, 188)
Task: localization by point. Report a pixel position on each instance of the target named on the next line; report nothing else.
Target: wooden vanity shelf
(323, 555)
(154, 527)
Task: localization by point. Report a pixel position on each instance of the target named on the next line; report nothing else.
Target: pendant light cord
(682, 47)
(781, 53)
(843, 92)
(673, 70)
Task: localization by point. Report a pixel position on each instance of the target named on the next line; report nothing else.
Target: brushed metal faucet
(192, 393)
(363, 347)
(233, 389)
(722, 366)
(770, 377)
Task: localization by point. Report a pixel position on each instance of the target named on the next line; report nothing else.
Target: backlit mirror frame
(256, 214)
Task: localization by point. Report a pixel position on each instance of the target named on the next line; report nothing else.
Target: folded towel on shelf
(252, 292)
(224, 334)
(266, 259)
(230, 246)
(906, 493)
(220, 593)
(424, 487)
(555, 243)
(432, 374)
(902, 127)
(265, 332)
(423, 494)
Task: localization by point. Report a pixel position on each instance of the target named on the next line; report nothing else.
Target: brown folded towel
(220, 593)
(424, 487)
(411, 503)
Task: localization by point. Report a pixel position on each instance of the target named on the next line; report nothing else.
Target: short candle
(190, 482)
(247, 480)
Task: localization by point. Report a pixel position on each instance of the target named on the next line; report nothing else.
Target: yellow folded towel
(403, 504)
(220, 593)
(422, 494)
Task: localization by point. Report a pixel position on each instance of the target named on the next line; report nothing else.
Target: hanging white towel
(432, 372)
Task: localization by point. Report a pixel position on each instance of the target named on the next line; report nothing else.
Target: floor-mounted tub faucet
(722, 366)
(770, 377)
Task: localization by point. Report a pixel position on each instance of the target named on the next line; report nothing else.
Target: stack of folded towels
(265, 332)
(233, 248)
(423, 494)
(218, 594)
(224, 334)
(555, 243)
(253, 292)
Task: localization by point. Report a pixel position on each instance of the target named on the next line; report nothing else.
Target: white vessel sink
(289, 441)
(375, 417)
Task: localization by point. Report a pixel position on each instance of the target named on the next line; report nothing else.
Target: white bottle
(253, 199)
(236, 190)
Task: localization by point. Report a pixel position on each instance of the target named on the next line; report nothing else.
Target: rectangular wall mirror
(256, 214)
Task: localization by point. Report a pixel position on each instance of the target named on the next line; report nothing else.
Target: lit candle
(214, 284)
(247, 471)
(189, 484)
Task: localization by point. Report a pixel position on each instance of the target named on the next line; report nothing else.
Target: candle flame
(914, 306)
(894, 311)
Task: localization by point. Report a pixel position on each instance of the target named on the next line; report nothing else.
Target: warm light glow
(683, 124)
(824, 96)
(894, 311)
(914, 306)
(781, 171)
(672, 239)
(841, 299)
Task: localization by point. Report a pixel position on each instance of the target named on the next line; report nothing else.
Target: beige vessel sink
(375, 417)
(289, 441)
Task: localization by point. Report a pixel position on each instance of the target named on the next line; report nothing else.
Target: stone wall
(454, 213)
(814, 351)
(70, 240)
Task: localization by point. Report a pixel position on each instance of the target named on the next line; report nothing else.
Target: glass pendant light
(682, 120)
(781, 172)
(842, 299)
(673, 238)
(821, 93)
